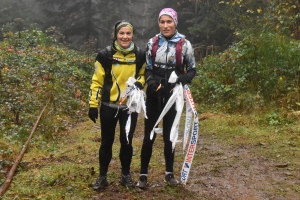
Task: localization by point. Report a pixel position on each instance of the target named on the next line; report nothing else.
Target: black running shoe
(142, 182)
(169, 178)
(101, 183)
(127, 181)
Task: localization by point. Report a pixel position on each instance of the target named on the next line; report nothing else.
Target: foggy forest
(246, 92)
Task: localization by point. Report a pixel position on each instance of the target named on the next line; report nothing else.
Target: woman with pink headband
(162, 58)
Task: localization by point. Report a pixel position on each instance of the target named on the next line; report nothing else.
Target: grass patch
(66, 167)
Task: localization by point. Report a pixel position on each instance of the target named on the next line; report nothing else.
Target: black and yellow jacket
(112, 70)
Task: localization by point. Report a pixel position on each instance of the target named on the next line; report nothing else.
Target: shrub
(34, 69)
(262, 68)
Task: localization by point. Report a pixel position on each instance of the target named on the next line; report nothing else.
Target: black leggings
(153, 112)
(108, 122)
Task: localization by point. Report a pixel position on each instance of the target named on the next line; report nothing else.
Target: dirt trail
(219, 171)
(235, 173)
(223, 172)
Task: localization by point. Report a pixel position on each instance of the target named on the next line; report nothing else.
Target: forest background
(247, 55)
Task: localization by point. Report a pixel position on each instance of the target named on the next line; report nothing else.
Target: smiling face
(167, 25)
(124, 37)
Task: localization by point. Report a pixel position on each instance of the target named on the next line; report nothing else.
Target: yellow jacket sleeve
(141, 77)
(96, 86)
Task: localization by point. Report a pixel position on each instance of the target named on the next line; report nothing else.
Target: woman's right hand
(93, 114)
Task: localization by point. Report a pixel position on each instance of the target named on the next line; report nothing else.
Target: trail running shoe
(142, 182)
(169, 178)
(127, 181)
(101, 183)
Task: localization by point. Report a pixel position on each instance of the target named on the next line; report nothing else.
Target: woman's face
(124, 37)
(167, 25)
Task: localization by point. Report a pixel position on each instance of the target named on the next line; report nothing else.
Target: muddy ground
(220, 172)
(235, 173)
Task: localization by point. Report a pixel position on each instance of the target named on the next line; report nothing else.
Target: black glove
(152, 88)
(139, 85)
(93, 114)
(182, 79)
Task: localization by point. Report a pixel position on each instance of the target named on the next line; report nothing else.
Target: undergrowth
(34, 70)
(260, 72)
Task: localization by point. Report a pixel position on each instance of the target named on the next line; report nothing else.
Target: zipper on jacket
(167, 51)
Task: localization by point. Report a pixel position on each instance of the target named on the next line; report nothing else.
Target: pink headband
(170, 12)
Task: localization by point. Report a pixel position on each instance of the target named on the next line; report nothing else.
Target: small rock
(69, 188)
(288, 173)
